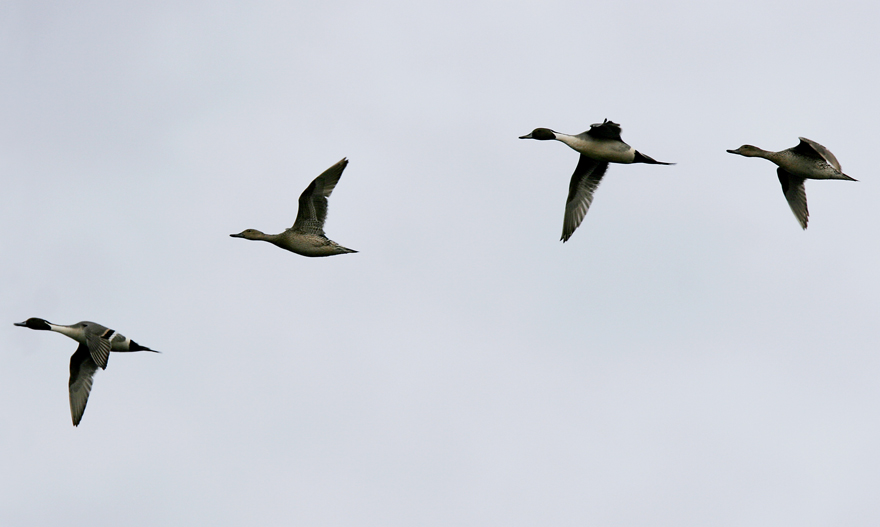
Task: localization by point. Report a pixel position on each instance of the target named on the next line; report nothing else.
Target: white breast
(600, 149)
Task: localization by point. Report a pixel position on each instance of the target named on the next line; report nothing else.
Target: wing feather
(823, 152)
(82, 368)
(796, 194)
(313, 201)
(584, 182)
(99, 346)
(605, 130)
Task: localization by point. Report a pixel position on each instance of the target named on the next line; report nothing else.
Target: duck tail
(340, 249)
(134, 346)
(642, 158)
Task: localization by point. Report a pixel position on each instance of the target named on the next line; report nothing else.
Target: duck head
(34, 323)
(747, 151)
(249, 234)
(541, 134)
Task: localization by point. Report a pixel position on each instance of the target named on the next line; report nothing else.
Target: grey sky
(689, 357)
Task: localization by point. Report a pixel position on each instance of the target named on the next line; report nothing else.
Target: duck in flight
(598, 146)
(95, 344)
(807, 160)
(307, 237)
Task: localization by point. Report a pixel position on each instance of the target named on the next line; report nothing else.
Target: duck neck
(760, 152)
(579, 144)
(772, 156)
(77, 334)
(570, 140)
(260, 236)
(271, 238)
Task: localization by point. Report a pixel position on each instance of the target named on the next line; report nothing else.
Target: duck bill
(527, 136)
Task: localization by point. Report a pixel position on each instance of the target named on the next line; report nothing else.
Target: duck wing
(606, 130)
(813, 149)
(313, 201)
(82, 368)
(99, 345)
(793, 188)
(586, 178)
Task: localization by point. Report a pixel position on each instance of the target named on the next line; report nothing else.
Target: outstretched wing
(586, 178)
(793, 188)
(606, 130)
(819, 150)
(313, 201)
(99, 346)
(82, 368)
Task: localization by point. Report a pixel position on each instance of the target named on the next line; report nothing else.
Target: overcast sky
(690, 357)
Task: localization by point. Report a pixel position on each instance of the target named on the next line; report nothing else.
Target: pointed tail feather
(642, 158)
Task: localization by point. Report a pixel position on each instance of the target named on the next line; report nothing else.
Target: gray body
(807, 160)
(305, 244)
(307, 237)
(95, 344)
(598, 146)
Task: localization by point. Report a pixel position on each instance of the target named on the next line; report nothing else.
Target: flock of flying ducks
(598, 146)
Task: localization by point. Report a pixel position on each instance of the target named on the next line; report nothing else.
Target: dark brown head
(541, 134)
(35, 323)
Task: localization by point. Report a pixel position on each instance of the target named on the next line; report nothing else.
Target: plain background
(690, 357)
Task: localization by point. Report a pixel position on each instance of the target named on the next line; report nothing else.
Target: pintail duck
(307, 237)
(95, 344)
(598, 146)
(807, 160)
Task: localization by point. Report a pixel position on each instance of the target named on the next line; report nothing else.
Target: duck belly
(809, 168)
(602, 150)
(611, 151)
(309, 245)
